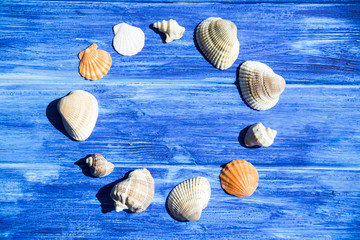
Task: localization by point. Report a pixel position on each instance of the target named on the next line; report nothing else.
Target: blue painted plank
(305, 43)
(58, 201)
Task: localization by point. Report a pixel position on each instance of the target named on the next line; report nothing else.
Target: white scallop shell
(187, 200)
(134, 193)
(128, 40)
(260, 86)
(99, 166)
(258, 135)
(171, 29)
(217, 39)
(79, 111)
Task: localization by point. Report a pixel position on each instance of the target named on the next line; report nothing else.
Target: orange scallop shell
(94, 63)
(239, 178)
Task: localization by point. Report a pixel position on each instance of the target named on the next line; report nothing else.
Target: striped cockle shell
(260, 86)
(79, 111)
(217, 40)
(99, 166)
(187, 200)
(94, 63)
(258, 135)
(128, 40)
(134, 193)
(171, 29)
(239, 178)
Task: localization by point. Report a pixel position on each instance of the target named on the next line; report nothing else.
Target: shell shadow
(55, 119)
(168, 210)
(84, 167)
(162, 35)
(103, 196)
(241, 137)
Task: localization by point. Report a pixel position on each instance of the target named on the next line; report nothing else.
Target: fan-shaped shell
(217, 39)
(239, 178)
(259, 85)
(99, 166)
(128, 40)
(134, 193)
(171, 29)
(94, 63)
(187, 200)
(79, 111)
(258, 135)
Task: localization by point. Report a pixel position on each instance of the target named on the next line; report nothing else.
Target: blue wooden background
(167, 109)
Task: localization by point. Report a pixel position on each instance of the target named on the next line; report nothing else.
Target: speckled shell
(134, 193)
(217, 39)
(171, 29)
(187, 200)
(128, 40)
(79, 111)
(99, 166)
(259, 85)
(258, 135)
(239, 178)
(94, 63)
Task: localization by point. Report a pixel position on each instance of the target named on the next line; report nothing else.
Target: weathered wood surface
(167, 109)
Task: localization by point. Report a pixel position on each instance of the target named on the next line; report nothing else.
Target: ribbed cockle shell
(94, 63)
(187, 200)
(259, 85)
(79, 111)
(128, 40)
(239, 178)
(258, 135)
(99, 166)
(217, 40)
(171, 29)
(134, 193)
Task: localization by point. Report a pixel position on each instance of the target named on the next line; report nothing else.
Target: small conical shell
(259, 85)
(94, 63)
(128, 40)
(171, 29)
(99, 166)
(258, 135)
(134, 193)
(239, 178)
(79, 111)
(217, 39)
(187, 200)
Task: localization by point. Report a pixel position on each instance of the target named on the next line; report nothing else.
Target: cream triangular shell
(99, 166)
(217, 40)
(259, 85)
(258, 135)
(239, 178)
(171, 29)
(128, 40)
(79, 111)
(134, 193)
(94, 63)
(187, 200)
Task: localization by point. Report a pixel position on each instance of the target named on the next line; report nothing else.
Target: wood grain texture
(167, 109)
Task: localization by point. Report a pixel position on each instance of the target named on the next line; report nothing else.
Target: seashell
(217, 39)
(259, 85)
(94, 63)
(79, 111)
(99, 166)
(128, 40)
(134, 193)
(171, 29)
(258, 135)
(187, 200)
(239, 178)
